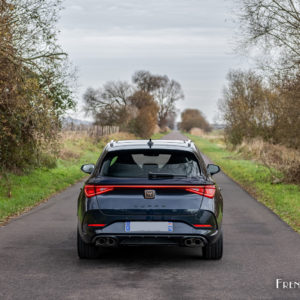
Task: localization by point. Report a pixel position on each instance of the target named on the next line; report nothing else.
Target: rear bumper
(149, 239)
(181, 232)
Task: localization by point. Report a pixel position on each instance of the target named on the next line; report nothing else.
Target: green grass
(29, 189)
(283, 199)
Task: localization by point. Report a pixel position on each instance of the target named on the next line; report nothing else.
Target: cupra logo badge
(149, 194)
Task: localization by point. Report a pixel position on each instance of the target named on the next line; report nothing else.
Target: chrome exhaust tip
(106, 242)
(100, 242)
(194, 242)
(111, 242)
(188, 242)
(198, 242)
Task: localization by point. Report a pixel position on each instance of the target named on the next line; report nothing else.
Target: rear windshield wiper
(164, 175)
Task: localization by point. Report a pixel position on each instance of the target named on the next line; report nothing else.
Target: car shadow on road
(146, 255)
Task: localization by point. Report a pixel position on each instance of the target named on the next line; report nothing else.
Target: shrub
(279, 157)
(34, 89)
(251, 109)
(191, 118)
(144, 124)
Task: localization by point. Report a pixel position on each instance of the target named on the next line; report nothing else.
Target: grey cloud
(140, 14)
(189, 40)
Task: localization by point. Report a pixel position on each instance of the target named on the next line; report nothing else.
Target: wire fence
(91, 130)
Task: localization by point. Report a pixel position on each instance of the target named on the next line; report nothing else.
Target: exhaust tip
(194, 242)
(198, 242)
(100, 241)
(111, 242)
(106, 242)
(188, 242)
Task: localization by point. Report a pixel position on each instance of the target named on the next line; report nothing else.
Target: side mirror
(213, 169)
(89, 168)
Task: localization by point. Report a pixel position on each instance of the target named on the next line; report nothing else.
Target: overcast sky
(188, 40)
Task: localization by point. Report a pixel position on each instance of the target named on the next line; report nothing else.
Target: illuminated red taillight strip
(96, 225)
(202, 226)
(203, 190)
(93, 190)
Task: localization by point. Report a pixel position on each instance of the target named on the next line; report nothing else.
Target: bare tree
(275, 25)
(32, 32)
(147, 82)
(109, 105)
(119, 102)
(166, 93)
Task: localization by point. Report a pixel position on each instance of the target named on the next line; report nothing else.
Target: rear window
(145, 163)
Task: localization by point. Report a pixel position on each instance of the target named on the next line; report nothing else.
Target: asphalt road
(38, 258)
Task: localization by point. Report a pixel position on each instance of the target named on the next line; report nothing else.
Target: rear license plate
(148, 226)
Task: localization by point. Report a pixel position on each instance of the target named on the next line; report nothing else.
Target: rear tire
(215, 250)
(85, 250)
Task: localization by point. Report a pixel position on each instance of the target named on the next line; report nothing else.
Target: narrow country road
(38, 258)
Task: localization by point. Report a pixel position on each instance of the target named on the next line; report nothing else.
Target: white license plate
(145, 226)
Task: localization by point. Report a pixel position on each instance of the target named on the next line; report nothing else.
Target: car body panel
(133, 202)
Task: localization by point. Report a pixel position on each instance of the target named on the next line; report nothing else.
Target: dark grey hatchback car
(150, 193)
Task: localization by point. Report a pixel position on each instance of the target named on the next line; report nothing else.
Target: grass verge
(283, 199)
(19, 193)
(159, 135)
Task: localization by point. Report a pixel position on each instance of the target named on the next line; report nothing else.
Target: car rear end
(149, 196)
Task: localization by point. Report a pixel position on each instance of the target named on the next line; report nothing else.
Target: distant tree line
(138, 106)
(265, 103)
(34, 82)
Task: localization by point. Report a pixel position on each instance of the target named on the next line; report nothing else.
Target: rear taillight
(93, 190)
(202, 225)
(203, 190)
(96, 225)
